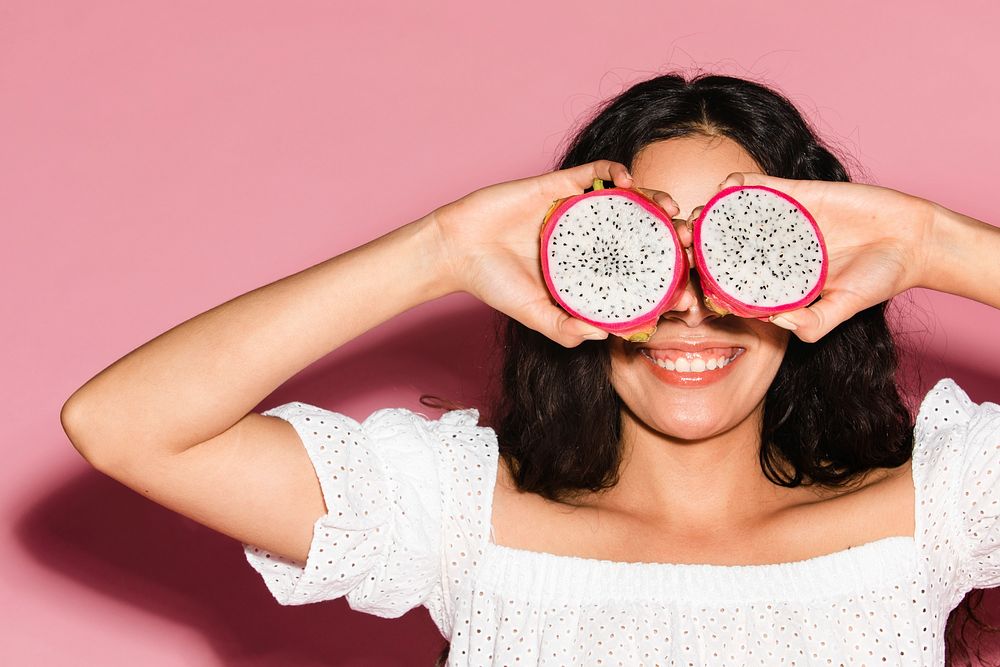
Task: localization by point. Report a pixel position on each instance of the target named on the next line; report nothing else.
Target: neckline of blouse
(865, 567)
(523, 573)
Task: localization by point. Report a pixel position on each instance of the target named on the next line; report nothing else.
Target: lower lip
(681, 379)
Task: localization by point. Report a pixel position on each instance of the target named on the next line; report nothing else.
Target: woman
(613, 516)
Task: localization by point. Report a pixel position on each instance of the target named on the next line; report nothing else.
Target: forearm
(196, 380)
(963, 257)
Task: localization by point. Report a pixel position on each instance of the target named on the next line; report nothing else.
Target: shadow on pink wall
(110, 539)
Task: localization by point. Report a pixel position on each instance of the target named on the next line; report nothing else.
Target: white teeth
(692, 363)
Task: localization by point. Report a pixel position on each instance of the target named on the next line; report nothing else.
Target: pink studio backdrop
(159, 158)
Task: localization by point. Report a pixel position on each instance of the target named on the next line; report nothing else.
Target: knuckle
(810, 336)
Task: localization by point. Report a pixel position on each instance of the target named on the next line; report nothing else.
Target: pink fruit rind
(638, 329)
(716, 297)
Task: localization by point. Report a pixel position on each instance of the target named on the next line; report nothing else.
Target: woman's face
(682, 403)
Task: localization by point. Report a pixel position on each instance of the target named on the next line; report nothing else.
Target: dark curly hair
(829, 433)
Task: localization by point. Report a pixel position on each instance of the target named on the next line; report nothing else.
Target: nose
(690, 307)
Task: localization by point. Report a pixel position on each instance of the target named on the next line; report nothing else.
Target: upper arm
(325, 506)
(254, 482)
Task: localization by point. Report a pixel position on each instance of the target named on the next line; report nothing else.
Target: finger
(684, 235)
(683, 231)
(735, 178)
(812, 323)
(583, 175)
(665, 201)
(555, 323)
(695, 214)
(578, 330)
(755, 178)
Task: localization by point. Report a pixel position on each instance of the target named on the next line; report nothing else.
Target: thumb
(555, 323)
(755, 178)
(815, 321)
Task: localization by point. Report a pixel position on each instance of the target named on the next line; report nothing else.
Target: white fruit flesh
(761, 249)
(605, 264)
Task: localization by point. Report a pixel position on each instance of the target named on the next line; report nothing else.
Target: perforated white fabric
(410, 501)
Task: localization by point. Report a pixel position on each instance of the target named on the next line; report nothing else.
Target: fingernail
(783, 322)
(595, 336)
(628, 175)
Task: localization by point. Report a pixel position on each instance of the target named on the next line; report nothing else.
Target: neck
(712, 483)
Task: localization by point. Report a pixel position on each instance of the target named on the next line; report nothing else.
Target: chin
(694, 428)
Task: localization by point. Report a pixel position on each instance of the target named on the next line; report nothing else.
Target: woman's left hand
(875, 239)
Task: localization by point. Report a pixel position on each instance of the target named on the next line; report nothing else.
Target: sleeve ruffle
(963, 440)
(379, 544)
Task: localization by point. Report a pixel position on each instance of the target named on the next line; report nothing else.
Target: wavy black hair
(827, 418)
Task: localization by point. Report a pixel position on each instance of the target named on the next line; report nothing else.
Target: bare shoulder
(507, 491)
(878, 505)
(884, 485)
(505, 502)
(898, 492)
(505, 480)
(528, 519)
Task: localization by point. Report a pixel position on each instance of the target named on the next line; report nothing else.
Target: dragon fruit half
(611, 257)
(758, 252)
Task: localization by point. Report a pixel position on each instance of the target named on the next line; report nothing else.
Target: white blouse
(409, 504)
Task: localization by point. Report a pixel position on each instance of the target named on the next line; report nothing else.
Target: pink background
(159, 158)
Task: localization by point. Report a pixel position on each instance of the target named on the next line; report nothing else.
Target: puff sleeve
(378, 545)
(957, 451)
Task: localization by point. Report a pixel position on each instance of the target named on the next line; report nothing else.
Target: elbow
(73, 417)
(70, 418)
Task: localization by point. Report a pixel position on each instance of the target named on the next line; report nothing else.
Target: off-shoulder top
(409, 501)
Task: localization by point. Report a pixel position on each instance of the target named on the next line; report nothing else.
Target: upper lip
(688, 344)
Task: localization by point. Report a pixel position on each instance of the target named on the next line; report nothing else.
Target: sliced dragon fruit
(758, 252)
(611, 257)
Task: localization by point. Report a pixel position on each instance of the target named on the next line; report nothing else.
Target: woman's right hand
(491, 241)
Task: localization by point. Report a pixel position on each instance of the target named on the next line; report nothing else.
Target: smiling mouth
(703, 361)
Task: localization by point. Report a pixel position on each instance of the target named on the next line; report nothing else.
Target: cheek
(622, 375)
(773, 345)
